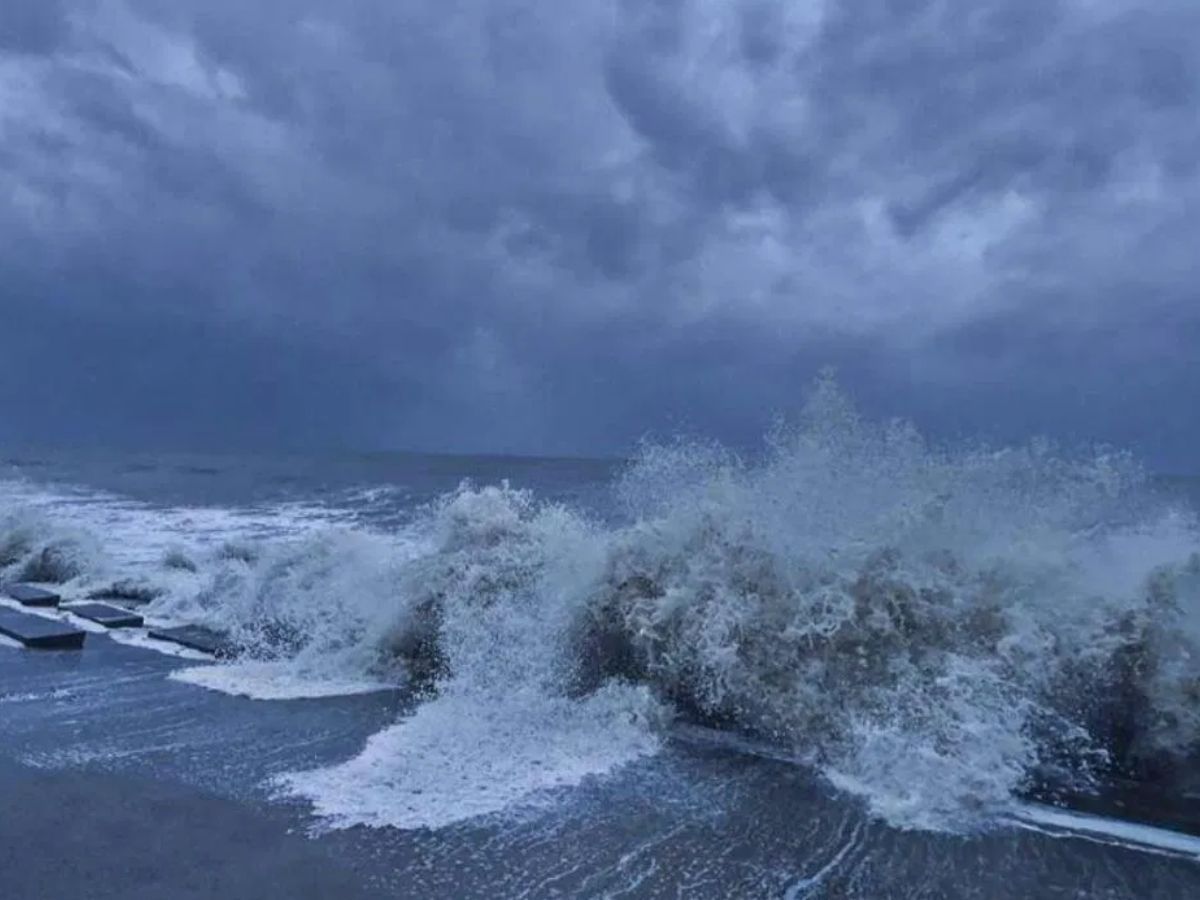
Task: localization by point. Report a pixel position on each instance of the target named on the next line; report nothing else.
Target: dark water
(407, 480)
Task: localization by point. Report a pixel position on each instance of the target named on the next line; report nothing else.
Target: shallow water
(706, 817)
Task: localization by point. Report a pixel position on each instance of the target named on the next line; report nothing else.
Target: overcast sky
(534, 226)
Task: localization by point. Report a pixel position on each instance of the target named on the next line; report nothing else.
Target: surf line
(1062, 823)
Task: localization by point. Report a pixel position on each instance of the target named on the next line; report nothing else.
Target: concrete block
(197, 637)
(40, 633)
(108, 616)
(28, 595)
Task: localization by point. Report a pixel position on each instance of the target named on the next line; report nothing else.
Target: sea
(851, 662)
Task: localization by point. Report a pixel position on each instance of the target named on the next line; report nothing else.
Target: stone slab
(39, 633)
(28, 595)
(197, 637)
(108, 616)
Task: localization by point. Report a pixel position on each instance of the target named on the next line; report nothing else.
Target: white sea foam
(95, 535)
(34, 697)
(276, 680)
(464, 754)
(1067, 824)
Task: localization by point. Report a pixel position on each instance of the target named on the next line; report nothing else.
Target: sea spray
(932, 627)
(486, 617)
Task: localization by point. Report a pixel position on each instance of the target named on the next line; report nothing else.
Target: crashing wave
(34, 548)
(935, 629)
(938, 630)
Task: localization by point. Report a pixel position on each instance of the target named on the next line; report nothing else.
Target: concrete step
(197, 637)
(28, 595)
(40, 633)
(108, 616)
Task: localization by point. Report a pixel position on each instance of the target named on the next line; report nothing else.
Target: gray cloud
(554, 227)
(32, 26)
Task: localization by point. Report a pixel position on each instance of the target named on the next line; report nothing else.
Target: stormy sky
(554, 227)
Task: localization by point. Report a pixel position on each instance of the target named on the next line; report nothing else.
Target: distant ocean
(935, 634)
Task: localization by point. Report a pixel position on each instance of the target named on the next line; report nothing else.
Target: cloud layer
(515, 225)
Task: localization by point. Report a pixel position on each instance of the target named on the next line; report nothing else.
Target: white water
(1062, 823)
(463, 755)
(928, 627)
(276, 680)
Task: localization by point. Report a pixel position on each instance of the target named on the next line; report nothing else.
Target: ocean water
(936, 635)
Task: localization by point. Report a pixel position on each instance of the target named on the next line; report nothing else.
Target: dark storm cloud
(31, 26)
(553, 227)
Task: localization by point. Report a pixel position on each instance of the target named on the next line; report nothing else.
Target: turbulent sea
(938, 635)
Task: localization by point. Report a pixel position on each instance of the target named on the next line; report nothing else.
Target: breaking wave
(936, 630)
